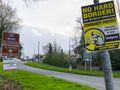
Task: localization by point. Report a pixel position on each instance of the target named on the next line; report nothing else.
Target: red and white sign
(10, 50)
(10, 44)
(10, 38)
(9, 66)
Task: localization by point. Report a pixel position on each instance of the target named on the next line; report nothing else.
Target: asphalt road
(97, 82)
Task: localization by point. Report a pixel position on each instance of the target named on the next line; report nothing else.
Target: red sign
(10, 50)
(10, 38)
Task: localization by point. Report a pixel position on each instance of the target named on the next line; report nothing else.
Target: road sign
(10, 38)
(100, 27)
(9, 63)
(10, 50)
(87, 56)
(10, 44)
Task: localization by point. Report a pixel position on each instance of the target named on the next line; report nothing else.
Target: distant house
(38, 58)
(75, 56)
(74, 59)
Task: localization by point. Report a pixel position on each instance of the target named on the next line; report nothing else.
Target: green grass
(33, 81)
(83, 72)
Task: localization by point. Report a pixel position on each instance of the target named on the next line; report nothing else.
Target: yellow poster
(100, 27)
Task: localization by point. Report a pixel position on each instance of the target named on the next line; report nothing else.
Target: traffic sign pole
(107, 70)
(10, 49)
(106, 66)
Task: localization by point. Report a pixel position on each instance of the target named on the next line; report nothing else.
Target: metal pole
(90, 64)
(3, 67)
(34, 57)
(106, 66)
(2, 72)
(107, 70)
(38, 52)
(84, 59)
(15, 72)
(85, 65)
(70, 63)
(34, 52)
(90, 61)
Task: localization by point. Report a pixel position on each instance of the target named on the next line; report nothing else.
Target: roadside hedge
(57, 59)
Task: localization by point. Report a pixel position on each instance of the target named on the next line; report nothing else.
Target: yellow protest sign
(100, 27)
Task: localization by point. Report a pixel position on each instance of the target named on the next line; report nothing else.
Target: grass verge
(33, 81)
(76, 71)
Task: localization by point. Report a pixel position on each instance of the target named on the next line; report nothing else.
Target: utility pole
(70, 63)
(34, 52)
(85, 59)
(38, 51)
(106, 66)
(85, 64)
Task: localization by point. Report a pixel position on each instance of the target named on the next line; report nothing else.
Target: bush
(115, 59)
(56, 59)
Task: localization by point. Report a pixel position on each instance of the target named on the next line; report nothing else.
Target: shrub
(56, 59)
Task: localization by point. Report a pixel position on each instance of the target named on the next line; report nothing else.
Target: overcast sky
(46, 21)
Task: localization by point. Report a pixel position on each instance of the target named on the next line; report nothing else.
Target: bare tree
(8, 19)
(52, 48)
(78, 35)
(56, 47)
(45, 48)
(26, 1)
